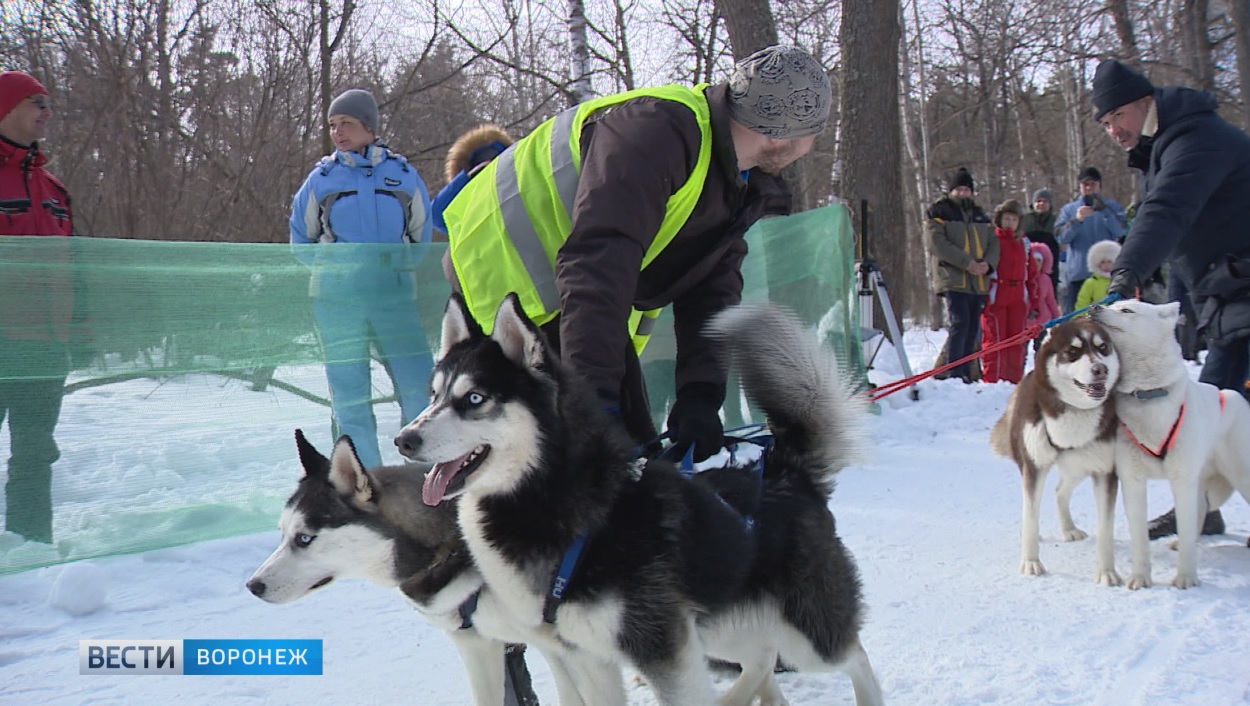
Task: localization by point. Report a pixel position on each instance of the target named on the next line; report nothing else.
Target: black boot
(518, 690)
(1213, 523)
(1165, 525)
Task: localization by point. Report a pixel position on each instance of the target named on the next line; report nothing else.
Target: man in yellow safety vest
(622, 205)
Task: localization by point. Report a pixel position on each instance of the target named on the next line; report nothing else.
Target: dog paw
(1109, 578)
(1075, 534)
(1185, 581)
(1032, 567)
(1135, 582)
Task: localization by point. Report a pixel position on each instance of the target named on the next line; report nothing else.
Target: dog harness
(1171, 437)
(1168, 442)
(468, 608)
(573, 555)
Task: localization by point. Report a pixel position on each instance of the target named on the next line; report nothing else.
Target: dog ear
(520, 339)
(347, 475)
(458, 324)
(315, 465)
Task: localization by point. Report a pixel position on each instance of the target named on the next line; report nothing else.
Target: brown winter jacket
(634, 157)
(958, 236)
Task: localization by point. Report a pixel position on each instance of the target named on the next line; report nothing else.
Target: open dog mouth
(1094, 390)
(450, 476)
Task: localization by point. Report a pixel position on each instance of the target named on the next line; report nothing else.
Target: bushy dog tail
(815, 415)
(1000, 435)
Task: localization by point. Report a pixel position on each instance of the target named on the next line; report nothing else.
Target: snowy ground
(933, 520)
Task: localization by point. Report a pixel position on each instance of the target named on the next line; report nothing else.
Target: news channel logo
(203, 657)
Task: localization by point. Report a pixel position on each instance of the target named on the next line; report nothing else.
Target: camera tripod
(871, 287)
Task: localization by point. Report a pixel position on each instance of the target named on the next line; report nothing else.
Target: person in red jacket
(39, 306)
(1008, 307)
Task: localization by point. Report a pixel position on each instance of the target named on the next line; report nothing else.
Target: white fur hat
(1102, 250)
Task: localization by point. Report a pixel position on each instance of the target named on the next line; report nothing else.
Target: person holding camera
(1090, 218)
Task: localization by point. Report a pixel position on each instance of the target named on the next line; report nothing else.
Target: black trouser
(32, 407)
(1227, 365)
(964, 335)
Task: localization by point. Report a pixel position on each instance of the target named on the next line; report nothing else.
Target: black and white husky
(669, 572)
(348, 522)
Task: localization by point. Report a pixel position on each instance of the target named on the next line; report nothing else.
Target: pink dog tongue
(438, 478)
(436, 482)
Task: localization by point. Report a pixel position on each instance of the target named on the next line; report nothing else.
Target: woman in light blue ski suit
(354, 222)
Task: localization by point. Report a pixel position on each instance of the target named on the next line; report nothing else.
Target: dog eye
(303, 540)
(475, 398)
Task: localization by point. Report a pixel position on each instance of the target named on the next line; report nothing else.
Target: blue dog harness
(573, 555)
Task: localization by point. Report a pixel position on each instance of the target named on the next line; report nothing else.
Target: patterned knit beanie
(780, 92)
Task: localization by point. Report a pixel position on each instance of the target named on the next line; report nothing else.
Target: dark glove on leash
(1124, 283)
(695, 420)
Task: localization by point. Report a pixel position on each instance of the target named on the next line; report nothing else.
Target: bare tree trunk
(579, 49)
(1124, 30)
(1075, 114)
(327, 47)
(750, 25)
(871, 131)
(1192, 20)
(1239, 13)
(918, 259)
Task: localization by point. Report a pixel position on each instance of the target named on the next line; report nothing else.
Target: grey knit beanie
(1043, 194)
(358, 104)
(780, 92)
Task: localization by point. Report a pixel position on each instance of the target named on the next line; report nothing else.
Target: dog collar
(1150, 394)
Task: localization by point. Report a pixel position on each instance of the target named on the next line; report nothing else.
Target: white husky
(1192, 434)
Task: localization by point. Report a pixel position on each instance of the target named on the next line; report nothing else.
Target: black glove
(1124, 283)
(695, 420)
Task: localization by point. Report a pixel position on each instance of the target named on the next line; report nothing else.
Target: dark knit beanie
(962, 177)
(1043, 194)
(358, 104)
(781, 92)
(15, 87)
(1089, 174)
(1115, 85)
(1008, 206)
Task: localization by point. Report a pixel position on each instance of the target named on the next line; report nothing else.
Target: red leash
(1027, 334)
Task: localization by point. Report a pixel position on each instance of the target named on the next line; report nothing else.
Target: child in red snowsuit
(1008, 307)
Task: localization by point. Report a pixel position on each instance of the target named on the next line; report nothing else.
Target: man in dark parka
(1194, 211)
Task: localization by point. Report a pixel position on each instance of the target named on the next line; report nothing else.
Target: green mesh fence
(172, 375)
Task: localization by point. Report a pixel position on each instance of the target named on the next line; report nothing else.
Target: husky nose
(257, 588)
(407, 442)
(1100, 370)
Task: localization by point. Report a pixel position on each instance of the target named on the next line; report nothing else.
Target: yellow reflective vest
(507, 224)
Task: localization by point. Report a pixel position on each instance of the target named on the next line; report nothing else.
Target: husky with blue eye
(669, 571)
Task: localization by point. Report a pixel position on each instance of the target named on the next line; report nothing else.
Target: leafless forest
(198, 119)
